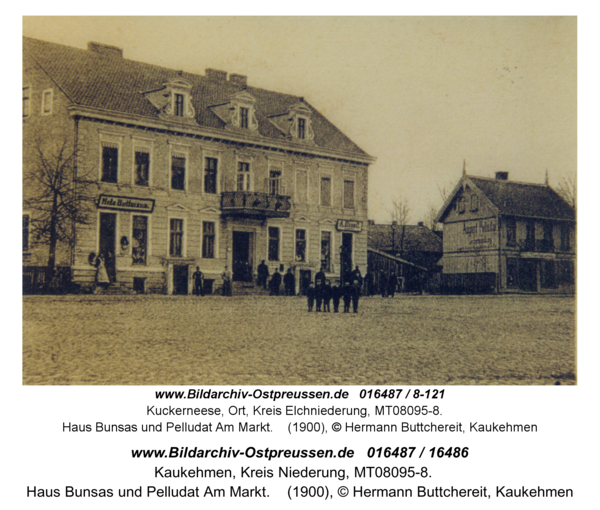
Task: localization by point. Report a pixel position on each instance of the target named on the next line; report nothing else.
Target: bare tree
(57, 196)
(567, 189)
(399, 214)
(431, 216)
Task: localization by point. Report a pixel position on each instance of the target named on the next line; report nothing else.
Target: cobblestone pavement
(268, 340)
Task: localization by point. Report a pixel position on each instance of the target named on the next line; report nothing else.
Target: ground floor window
(326, 251)
(176, 238)
(300, 245)
(208, 240)
(139, 246)
(566, 272)
(548, 277)
(512, 273)
(273, 243)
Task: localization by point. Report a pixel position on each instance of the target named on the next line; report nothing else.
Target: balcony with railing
(537, 245)
(255, 204)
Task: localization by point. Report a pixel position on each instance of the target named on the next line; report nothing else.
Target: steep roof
(114, 83)
(416, 238)
(512, 198)
(523, 199)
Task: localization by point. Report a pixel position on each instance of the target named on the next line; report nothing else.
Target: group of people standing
(324, 293)
(274, 284)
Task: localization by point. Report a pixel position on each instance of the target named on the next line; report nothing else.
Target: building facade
(505, 236)
(190, 170)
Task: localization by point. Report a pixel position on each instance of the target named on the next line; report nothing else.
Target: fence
(38, 280)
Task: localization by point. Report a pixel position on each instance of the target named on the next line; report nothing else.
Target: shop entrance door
(528, 275)
(346, 256)
(108, 232)
(243, 248)
(180, 280)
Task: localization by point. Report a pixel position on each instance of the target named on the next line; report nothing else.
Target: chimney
(502, 176)
(238, 79)
(421, 224)
(216, 75)
(105, 49)
(370, 222)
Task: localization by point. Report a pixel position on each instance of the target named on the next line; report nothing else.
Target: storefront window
(140, 240)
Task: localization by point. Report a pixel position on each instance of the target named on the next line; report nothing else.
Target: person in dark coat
(275, 283)
(383, 284)
(355, 275)
(347, 296)
(319, 295)
(326, 296)
(310, 296)
(392, 285)
(263, 275)
(369, 284)
(320, 277)
(355, 295)
(336, 294)
(198, 278)
(289, 283)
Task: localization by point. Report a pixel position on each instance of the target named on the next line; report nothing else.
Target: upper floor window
(26, 101)
(301, 186)
(275, 181)
(511, 232)
(142, 167)
(243, 176)
(176, 237)
(179, 105)
(301, 128)
(210, 175)
(474, 202)
(530, 231)
(461, 205)
(110, 162)
(565, 237)
(326, 191)
(349, 194)
(26, 220)
(178, 172)
(244, 115)
(47, 102)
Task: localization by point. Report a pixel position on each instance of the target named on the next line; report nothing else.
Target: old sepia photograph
(299, 200)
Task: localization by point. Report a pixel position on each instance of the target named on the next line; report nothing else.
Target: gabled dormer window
(238, 114)
(173, 101)
(295, 123)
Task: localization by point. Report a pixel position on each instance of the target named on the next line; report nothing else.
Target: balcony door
(243, 250)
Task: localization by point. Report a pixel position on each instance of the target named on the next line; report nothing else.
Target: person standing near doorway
(198, 278)
(275, 283)
(226, 281)
(289, 283)
(262, 275)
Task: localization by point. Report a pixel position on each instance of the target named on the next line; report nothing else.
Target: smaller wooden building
(505, 236)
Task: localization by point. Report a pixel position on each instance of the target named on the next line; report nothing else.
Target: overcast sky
(419, 94)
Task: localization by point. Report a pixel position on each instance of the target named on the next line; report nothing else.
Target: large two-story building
(190, 170)
(505, 236)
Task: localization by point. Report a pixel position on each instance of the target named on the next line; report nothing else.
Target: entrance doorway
(243, 249)
(107, 242)
(528, 275)
(180, 280)
(346, 256)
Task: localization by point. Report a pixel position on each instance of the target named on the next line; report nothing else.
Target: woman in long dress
(101, 273)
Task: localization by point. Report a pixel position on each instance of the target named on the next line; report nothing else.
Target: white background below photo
(561, 454)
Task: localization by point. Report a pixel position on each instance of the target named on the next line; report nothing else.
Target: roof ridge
(493, 179)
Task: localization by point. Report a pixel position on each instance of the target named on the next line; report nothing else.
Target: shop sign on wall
(126, 203)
